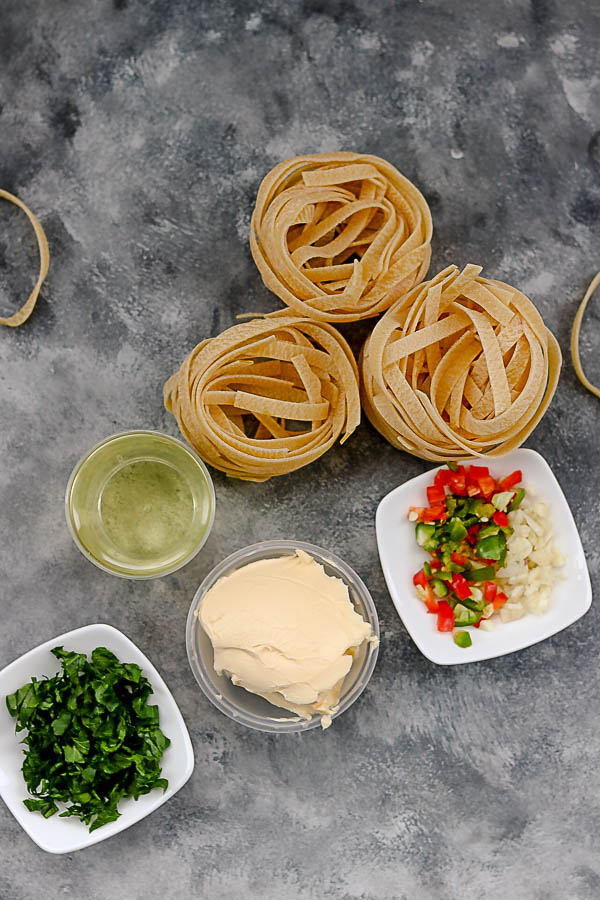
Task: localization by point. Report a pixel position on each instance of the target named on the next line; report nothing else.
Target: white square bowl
(56, 835)
(401, 557)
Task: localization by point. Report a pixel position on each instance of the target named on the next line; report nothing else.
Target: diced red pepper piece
(472, 534)
(490, 589)
(501, 519)
(420, 579)
(458, 484)
(508, 483)
(487, 485)
(460, 586)
(500, 600)
(477, 624)
(442, 477)
(435, 514)
(429, 598)
(459, 559)
(436, 495)
(473, 490)
(476, 472)
(431, 603)
(419, 510)
(435, 564)
(445, 616)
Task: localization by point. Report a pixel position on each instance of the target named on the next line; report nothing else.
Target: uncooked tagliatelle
(267, 396)
(340, 236)
(461, 366)
(595, 283)
(23, 314)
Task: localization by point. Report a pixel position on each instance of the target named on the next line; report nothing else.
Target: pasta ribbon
(575, 337)
(23, 314)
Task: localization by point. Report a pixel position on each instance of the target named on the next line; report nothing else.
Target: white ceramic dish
(401, 557)
(56, 835)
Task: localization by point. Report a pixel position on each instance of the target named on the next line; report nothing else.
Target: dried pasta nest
(266, 397)
(340, 236)
(459, 367)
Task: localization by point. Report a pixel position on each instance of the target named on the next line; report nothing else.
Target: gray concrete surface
(139, 132)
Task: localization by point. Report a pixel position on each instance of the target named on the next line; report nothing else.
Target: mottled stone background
(139, 131)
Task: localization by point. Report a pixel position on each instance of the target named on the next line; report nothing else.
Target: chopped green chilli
(463, 639)
(92, 738)
(517, 500)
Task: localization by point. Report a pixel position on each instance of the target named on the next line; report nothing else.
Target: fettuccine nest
(459, 367)
(266, 397)
(340, 236)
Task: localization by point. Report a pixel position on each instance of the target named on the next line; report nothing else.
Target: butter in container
(282, 636)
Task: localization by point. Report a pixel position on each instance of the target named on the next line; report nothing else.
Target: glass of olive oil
(140, 504)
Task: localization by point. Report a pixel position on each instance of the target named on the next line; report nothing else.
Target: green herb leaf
(61, 723)
(72, 754)
(46, 807)
(132, 672)
(104, 817)
(103, 659)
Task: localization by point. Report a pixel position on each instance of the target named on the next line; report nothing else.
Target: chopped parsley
(92, 738)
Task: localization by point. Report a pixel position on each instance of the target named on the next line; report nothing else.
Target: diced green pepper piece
(517, 500)
(486, 510)
(457, 532)
(445, 576)
(462, 508)
(424, 533)
(452, 466)
(427, 569)
(440, 589)
(448, 562)
(464, 616)
(451, 505)
(474, 504)
(476, 605)
(493, 547)
(487, 573)
(488, 531)
(462, 639)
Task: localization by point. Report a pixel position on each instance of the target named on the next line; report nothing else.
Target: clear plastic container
(140, 504)
(245, 707)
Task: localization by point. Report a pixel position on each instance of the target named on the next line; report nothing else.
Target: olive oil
(146, 509)
(140, 504)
